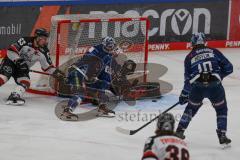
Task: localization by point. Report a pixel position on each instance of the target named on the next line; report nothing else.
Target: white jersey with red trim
(165, 148)
(25, 49)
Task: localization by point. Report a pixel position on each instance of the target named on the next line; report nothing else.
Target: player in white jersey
(165, 145)
(21, 56)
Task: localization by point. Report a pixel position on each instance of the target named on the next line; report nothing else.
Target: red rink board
(234, 33)
(187, 45)
(153, 47)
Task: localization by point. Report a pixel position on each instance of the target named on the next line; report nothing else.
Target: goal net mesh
(72, 35)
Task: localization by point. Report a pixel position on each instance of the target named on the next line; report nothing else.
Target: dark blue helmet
(41, 32)
(109, 43)
(198, 38)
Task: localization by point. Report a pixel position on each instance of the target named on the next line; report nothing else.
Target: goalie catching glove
(59, 75)
(128, 68)
(120, 83)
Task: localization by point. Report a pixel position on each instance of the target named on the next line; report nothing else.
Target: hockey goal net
(72, 35)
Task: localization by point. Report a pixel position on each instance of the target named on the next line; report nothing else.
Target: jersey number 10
(205, 67)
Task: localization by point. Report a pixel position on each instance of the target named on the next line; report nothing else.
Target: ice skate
(104, 111)
(15, 99)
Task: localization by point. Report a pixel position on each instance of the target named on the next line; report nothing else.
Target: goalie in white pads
(21, 56)
(165, 145)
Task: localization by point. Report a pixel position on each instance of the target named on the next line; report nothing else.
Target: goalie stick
(132, 132)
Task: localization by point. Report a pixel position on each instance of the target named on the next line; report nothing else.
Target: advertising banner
(234, 28)
(169, 22)
(16, 22)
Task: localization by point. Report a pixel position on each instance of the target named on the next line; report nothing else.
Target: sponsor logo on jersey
(202, 56)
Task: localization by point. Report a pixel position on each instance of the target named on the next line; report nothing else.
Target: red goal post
(70, 38)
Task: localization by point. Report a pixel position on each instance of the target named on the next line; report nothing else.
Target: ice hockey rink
(33, 132)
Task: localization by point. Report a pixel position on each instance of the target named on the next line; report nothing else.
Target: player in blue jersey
(92, 73)
(205, 68)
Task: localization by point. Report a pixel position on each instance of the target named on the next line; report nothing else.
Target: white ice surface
(33, 132)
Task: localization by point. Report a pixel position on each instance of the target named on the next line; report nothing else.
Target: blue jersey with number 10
(205, 60)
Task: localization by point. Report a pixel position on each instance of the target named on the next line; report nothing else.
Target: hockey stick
(44, 73)
(132, 132)
(40, 72)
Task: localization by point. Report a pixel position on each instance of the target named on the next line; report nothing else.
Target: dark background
(28, 15)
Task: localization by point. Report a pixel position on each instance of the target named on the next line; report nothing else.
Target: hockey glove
(183, 98)
(21, 64)
(59, 75)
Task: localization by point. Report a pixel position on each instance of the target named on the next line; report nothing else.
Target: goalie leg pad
(74, 102)
(146, 90)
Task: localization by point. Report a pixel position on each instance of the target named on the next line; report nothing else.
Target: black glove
(128, 68)
(22, 65)
(183, 98)
(59, 75)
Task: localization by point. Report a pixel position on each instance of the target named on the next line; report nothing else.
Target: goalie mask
(165, 123)
(109, 43)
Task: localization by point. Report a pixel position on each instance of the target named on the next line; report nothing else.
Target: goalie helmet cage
(72, 35)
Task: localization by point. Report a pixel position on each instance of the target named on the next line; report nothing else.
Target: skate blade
(65, 118)
(226, 146)
(19, 103)
(109, 115)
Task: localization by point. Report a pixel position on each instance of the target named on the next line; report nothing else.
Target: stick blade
(123, 131)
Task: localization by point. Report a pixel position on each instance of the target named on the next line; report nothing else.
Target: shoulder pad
(44, 49)
(27, 40)
(149, 143)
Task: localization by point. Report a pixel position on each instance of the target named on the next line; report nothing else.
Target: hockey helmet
(41, 32)
(166, 122)
(198, 39)
(109, 43)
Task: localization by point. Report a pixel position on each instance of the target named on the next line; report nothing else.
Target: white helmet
(198, 38)
(109, 43)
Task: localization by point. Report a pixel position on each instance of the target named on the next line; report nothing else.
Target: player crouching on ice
(205, 68)
(165, 145)
(92, 74)
(21, 56)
